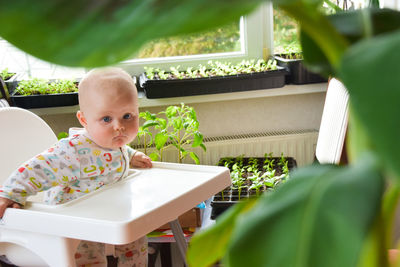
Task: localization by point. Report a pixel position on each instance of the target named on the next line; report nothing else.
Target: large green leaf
(209, 245)
(102, 32)
(354, 26)
(318, 218)
(371, 74)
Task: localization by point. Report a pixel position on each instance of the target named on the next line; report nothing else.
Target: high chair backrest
(334, 121)
(22, 136)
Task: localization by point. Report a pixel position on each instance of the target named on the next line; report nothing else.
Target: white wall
(228, 117)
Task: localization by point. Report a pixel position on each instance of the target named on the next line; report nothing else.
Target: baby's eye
(107, 119)
(127, 116)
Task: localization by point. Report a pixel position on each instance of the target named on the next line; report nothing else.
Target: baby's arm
(140, 160)
(7, 203)
(48, 169)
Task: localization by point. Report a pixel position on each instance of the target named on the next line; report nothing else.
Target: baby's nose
(118, 126)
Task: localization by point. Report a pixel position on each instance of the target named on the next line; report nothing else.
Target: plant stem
(179, 147)
(390, 200)
(358, 140)
(145, 144)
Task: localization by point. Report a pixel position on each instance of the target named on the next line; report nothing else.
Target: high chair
(332, 132)
(40, 234)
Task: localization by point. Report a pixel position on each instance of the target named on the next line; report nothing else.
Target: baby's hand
(140, 160)
(7, 203)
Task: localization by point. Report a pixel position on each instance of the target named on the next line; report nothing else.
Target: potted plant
(251, 177)
(176, 127)
(215, 78)
(6, 77)
(42, 93)
(292, 60)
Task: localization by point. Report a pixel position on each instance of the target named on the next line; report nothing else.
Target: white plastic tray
(125, 211)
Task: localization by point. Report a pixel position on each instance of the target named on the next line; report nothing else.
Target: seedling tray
(297, 72)
(230, 195)
(44, 101)
(212, 85)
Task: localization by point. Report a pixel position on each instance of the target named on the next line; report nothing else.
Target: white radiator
(300, 145)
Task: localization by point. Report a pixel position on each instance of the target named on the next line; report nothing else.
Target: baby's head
(109, 107)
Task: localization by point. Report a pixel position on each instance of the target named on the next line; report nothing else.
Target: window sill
(145, 102)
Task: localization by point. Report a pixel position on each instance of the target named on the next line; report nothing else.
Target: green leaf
(355, 26)
(171, 111)
(371, 74)
(162, 123)
(215, 238)
(98, 33)
(177, 123)
(160, 139)
(154, 156)
(195, 157)
(149, 124)
(318, 218)
(147, 115)
(203, 147)
(198, 139)
(62, 135)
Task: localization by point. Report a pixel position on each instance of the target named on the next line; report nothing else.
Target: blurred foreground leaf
(318, 218)
(92, 33)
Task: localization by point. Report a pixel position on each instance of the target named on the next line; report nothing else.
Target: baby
(88, 159)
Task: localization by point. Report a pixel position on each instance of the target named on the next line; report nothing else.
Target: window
(286, 33)
(253, 42)
(28, 66)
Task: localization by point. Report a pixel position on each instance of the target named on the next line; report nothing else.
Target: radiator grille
(298, 144)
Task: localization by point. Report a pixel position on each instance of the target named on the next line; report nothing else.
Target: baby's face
(111, 116)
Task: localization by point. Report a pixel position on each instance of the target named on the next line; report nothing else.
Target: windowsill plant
(292, 59)
(216, 77)
(6, 77)
(41, 93)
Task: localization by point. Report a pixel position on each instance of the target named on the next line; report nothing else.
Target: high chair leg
(38, 249)
(179, 238)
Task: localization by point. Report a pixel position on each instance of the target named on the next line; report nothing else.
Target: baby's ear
(81, 118)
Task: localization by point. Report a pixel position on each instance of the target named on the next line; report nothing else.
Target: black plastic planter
(5, 86)
(298, 73)
(212, 85)
(230, 195)
(45, 101)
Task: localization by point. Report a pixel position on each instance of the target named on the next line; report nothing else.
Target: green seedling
(215, 69)
(144, 135)
(5, 74)
(237, 181)
(150, 72)
(38, 86)
(180, 129)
